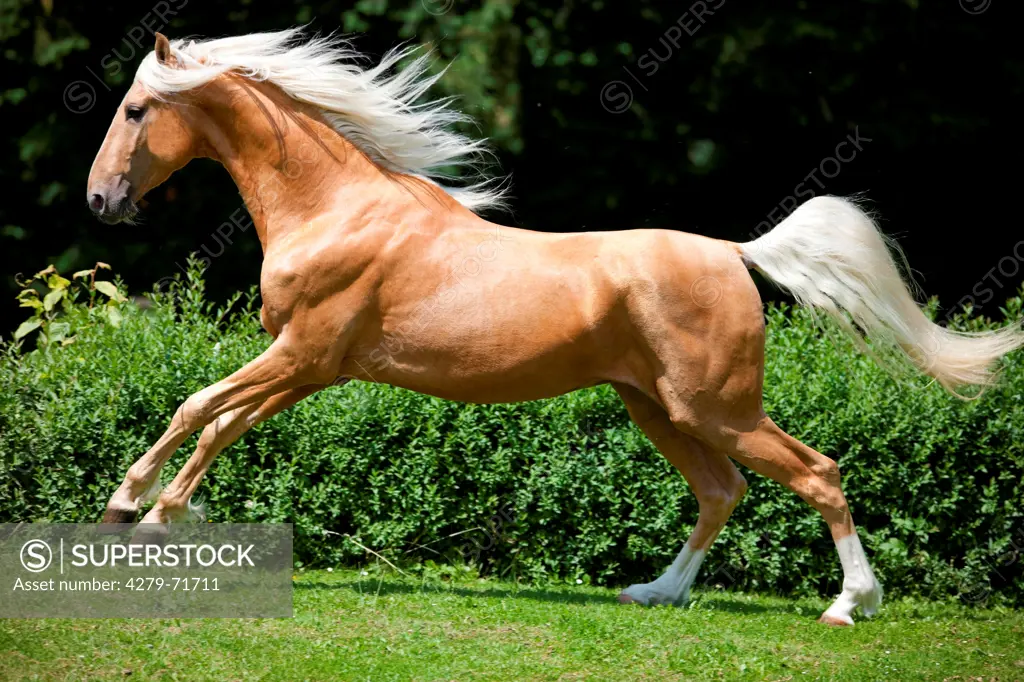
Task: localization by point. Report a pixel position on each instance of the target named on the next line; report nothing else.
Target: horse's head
(148, 140)
(253, 103)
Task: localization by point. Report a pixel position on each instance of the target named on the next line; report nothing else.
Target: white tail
(830, 255)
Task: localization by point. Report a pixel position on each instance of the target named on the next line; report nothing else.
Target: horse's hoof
(150, 534)
(833, 621)
(120, 516)
(116, 521)
(626, 599)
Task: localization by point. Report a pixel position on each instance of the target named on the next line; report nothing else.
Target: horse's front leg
(280, 368)
(173, 503)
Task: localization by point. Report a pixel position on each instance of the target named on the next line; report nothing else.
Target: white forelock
(377, 110)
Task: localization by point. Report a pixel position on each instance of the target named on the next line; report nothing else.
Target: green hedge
(560, 489)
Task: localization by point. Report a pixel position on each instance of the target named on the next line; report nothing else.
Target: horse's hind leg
(715, 481)
(761, 445)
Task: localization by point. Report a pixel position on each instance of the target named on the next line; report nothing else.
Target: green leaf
(58, 330)
(82, 273)
(26, 327)
(55, 281)
(114, 315)
(110, 290)
(51, 298)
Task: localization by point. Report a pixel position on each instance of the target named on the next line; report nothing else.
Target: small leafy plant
(51, 297)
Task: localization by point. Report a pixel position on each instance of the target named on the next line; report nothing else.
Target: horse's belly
(538, 352)
(500, 389)
(496, 368)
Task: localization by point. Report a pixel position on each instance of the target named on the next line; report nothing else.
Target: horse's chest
(315, 297)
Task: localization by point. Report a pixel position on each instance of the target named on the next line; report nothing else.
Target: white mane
(375, 110)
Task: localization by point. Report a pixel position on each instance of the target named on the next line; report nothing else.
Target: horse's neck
(289, 165)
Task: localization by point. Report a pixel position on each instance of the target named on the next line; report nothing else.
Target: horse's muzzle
(111, 202)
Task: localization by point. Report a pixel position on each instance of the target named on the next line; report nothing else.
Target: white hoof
(838, 621)
(652, 594)
(860, 587)
(673, 587)
(841, 611)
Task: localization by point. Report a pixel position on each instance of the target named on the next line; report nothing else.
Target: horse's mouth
(124, 213)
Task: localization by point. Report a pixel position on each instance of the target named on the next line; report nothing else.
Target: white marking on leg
(860, 587)
(673, 587)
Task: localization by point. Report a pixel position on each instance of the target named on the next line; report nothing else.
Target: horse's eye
(134, 113)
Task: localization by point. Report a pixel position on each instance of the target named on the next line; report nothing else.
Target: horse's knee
(827, 469)
(718, 503)
(715, 507)
(823, 485)
(823, 494)
(195, 412)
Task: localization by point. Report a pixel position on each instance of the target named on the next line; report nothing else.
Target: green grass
(351, 626)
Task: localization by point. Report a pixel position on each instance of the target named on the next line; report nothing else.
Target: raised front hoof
(116, 521)
(835, 621)
(150, 534)
(119, 516)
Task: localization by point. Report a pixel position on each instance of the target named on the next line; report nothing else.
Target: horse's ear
(163, 51)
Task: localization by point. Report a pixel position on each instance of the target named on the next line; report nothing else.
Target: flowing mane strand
(375, 109)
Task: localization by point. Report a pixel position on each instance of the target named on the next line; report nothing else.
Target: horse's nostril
(96, 203)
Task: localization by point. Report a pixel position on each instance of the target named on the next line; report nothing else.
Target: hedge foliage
(563, 489)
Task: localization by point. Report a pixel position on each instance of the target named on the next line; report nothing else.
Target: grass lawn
(351, 626)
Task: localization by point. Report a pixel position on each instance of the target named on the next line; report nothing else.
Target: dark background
(714, 141)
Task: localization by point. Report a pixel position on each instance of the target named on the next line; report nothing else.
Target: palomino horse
(375, 270)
